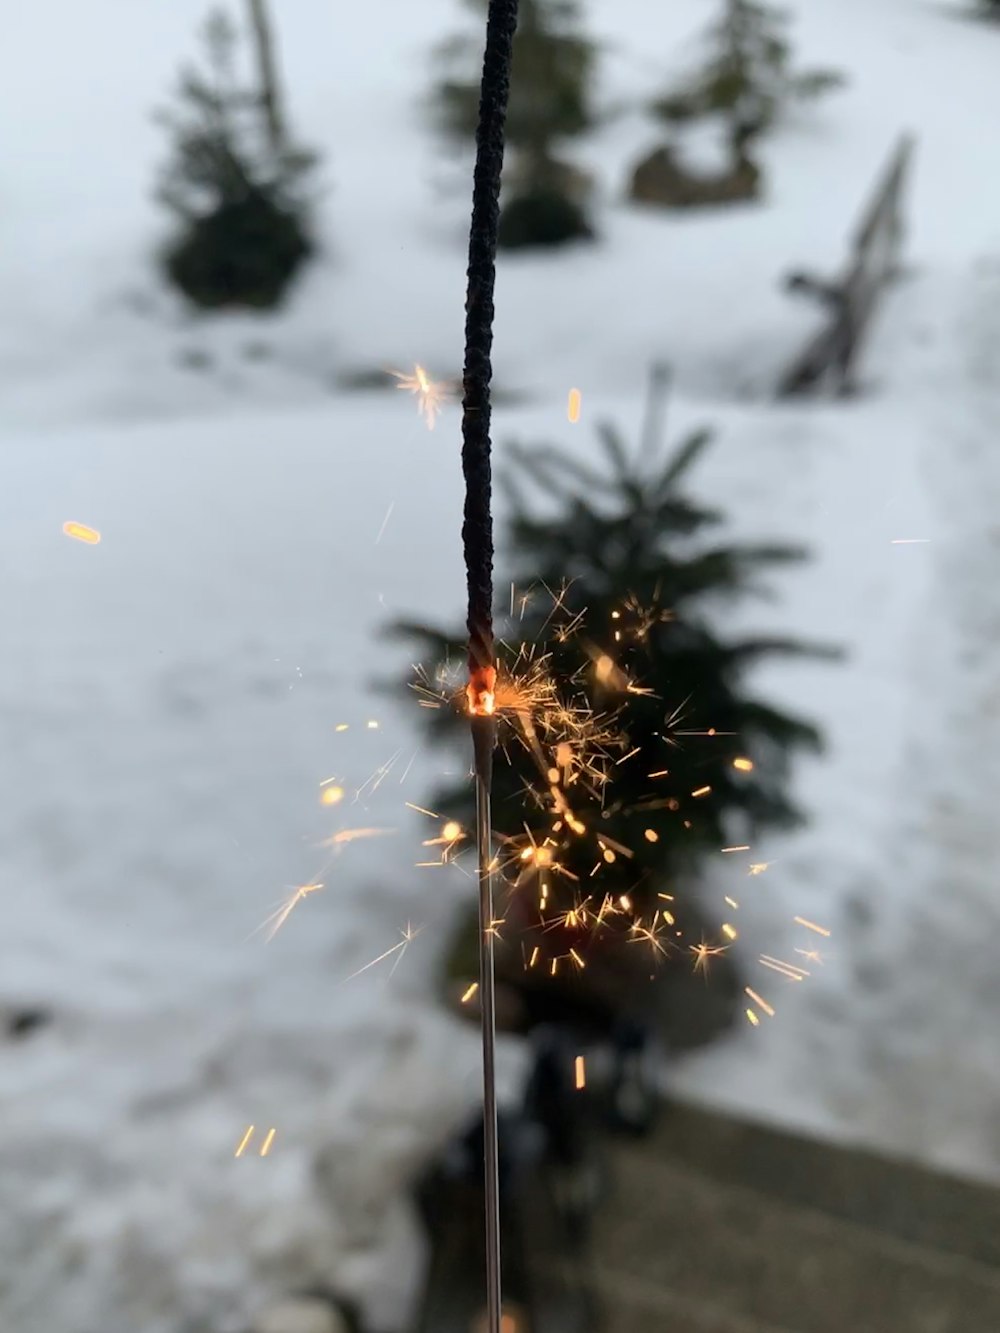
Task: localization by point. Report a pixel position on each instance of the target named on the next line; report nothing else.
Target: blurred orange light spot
(82, 533)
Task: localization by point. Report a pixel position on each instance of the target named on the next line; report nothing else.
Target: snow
(170, 696)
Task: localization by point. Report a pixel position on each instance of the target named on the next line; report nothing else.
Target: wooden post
(874, 261)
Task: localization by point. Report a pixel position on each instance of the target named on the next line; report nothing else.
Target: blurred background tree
(747, 78)
(235, 179)
(634, 751)
(550, 104)
(745, 82)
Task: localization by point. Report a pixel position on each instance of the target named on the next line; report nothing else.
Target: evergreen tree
(747, 77)
(234, 180)
(549, 104)
(632, 750)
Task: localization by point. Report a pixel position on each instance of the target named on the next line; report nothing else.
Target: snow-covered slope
(169, 698)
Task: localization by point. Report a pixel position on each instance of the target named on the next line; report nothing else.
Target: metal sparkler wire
(477, 539)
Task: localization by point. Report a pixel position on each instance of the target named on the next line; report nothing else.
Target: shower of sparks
(244, 1141)
(811, 925)
(580, 1072)
(760, 1002)
(409, 935)
(81, 533)
(266, 1146)
(388, 515)
(573, 406)
(431, 395)
(576, 753)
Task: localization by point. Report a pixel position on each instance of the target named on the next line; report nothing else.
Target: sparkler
(477, 538)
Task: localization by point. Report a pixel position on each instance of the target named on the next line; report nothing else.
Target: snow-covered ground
(170, 698)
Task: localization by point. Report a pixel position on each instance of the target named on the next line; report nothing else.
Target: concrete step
(898, 1198)
(718, 1227)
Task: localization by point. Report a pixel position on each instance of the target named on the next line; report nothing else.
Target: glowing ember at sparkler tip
(481, 691)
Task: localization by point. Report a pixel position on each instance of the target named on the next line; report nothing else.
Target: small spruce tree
(549, 105)
(235, 181)
(633, 751)
(747, 78)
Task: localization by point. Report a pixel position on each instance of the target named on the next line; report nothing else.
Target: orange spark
(244, 1141)
(470, 992)
(744, 765)
(266, 1146)
(761, 1003)
(82, 533)
(811, 925)
(573, 406)
(409, 934)
(702, 791)
(580, 1071)
(754, 1020)
(737, 849)
(353, 835)
(704, 953)
(430, 395)
(277, 919)
(788, 970)
(331, 795)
